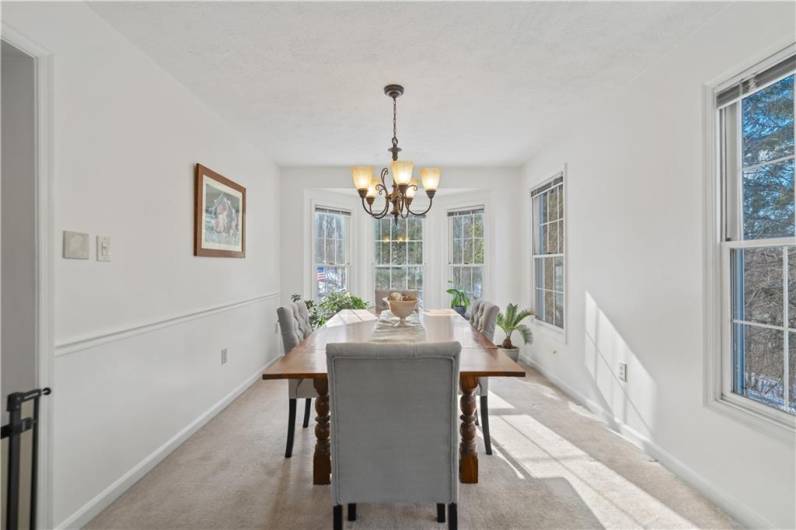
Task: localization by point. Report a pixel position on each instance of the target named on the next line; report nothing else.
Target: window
(547, 210)
(756, 167)
(331, 263)
(466, 251)
(398, 254)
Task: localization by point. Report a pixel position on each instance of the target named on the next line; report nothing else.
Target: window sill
(782, 428)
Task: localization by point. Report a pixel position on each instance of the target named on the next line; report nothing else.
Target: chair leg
(352, 512)
(453, 517)
(307, 408)
(337, 516)
(485, 424)
(291, 427)
(441, 512)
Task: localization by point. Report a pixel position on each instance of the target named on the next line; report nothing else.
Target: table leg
(468, 458)
(321, 460)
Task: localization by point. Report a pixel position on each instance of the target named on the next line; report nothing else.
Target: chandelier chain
(394, 122)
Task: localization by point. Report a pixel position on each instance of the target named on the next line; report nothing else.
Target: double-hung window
(331, 251)
(758, 248)
(466, 251)
(547, 210)
(398, 253)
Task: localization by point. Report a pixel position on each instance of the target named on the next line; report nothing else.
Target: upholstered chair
(294, 323)
(381, 294)
(394, 425)
(483, 318)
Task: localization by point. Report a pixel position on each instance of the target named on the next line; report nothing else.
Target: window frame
(423, 265)
(449, 265)
(560, 331)
(717, 278)
(348, 244)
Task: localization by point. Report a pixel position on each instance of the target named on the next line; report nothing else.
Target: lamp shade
(412, 189)
(402, 171)
(372, 188)
(362, 176)
(430, 177)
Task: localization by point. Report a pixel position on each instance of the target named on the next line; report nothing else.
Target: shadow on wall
(630, 402)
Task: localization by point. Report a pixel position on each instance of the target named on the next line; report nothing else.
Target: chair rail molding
(76, 344)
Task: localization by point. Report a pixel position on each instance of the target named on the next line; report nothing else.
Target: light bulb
(402, 172)
(430, 177)
(362, 176)
(371, 187)
(412, 189)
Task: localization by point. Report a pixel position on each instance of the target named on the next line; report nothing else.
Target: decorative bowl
(401, 308)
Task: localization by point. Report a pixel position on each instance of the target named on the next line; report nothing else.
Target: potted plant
(511, 321)
(330, 305)
(459, 300)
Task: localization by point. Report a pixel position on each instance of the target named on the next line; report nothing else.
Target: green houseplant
(330, 305)
(459, 300)
(511, 321)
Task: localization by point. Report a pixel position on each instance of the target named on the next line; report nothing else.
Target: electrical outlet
(224, 356)
(623, 372)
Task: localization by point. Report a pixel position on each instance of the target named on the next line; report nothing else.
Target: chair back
(474, 307)
(294, 323)
(484, 317)
(381, 294)
(394, 422)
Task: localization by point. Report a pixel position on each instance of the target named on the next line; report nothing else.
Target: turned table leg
(321, 461)
(468, 458)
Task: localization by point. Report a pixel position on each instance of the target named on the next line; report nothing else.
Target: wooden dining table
(479, 358)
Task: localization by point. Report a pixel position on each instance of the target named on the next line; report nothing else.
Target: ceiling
(305, 80)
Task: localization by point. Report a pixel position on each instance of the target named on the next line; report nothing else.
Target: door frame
(44, 258)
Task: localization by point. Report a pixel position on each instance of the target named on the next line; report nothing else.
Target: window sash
(548, 245)
(408, 270)
(324, 265)
(462, 264)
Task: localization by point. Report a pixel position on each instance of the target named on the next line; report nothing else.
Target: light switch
(75, 245)
(103, 248)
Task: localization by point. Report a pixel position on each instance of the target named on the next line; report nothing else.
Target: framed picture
(220, 216)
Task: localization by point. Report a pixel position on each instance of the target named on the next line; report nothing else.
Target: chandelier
(404, 185)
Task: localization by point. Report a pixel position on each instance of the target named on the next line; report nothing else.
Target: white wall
(635, 264)
(495, 188)
(138, 339)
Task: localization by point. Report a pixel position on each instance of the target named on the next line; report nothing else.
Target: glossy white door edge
(95, 339)
(93, 507)
(43, 61)
(734, 507)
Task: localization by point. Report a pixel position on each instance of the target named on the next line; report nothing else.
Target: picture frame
(219, 215)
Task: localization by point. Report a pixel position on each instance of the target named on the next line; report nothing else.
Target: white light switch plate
(75, 245)
(103, 248)
(623, 372)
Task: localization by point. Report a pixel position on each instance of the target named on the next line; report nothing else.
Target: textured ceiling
(304, 80)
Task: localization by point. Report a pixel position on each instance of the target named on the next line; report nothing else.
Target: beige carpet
(554, 467)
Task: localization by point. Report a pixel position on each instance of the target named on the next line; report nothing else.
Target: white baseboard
(93, 507)
(737, 509)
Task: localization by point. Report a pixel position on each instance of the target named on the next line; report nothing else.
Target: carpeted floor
(554, 467)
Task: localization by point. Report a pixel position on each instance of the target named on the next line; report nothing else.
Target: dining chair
(294, 323)
(381, 294)
(394, 425)
(483, 317)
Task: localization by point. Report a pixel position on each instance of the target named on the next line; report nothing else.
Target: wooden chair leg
(307, 408)
(453, 517)
(291, 427)
(485, 424)
(337, 516)
(441, 512)
(352, 512)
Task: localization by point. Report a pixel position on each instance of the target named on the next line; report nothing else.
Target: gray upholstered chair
(483, 316)
(394, 425)
(294, 322)
(381, 294)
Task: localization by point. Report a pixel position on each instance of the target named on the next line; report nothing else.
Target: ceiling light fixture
(404, 185)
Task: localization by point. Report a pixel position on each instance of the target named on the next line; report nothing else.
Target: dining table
(479, 358)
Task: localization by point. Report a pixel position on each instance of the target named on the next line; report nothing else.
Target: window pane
(792, 288)
(768, 123)
(467, 251)
(415, 229)
(549, 274)
(478, 251)
(415, 253)
(457, 251)
(456, 277)
(385, 226)
(758, 292)
(539, 272)
(478, 225)
(559, 274)
(792, 370)
(467, 280)
(319, 250)
(552, 205)
(398, 278)
(768, 201)
(759, 358)
(559, 317)
(549, 307)
(398, 253)
(478, 274)
(552, 238)
(467, 226)
(539, 303)
(382, 278)
(399, 230)
(340, 252)
(543, 247)
(561, 237)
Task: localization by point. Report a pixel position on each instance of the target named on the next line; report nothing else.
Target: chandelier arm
(424, 212)
(369, 211)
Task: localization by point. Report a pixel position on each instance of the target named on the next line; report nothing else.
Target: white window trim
(311, 286)
(715, 278)
(559, 334)
(487, 236)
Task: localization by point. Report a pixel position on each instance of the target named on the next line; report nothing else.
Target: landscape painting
(220, 215)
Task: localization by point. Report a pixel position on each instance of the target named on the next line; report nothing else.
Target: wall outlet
(623, 372)
(103, 248)
(224, 356)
